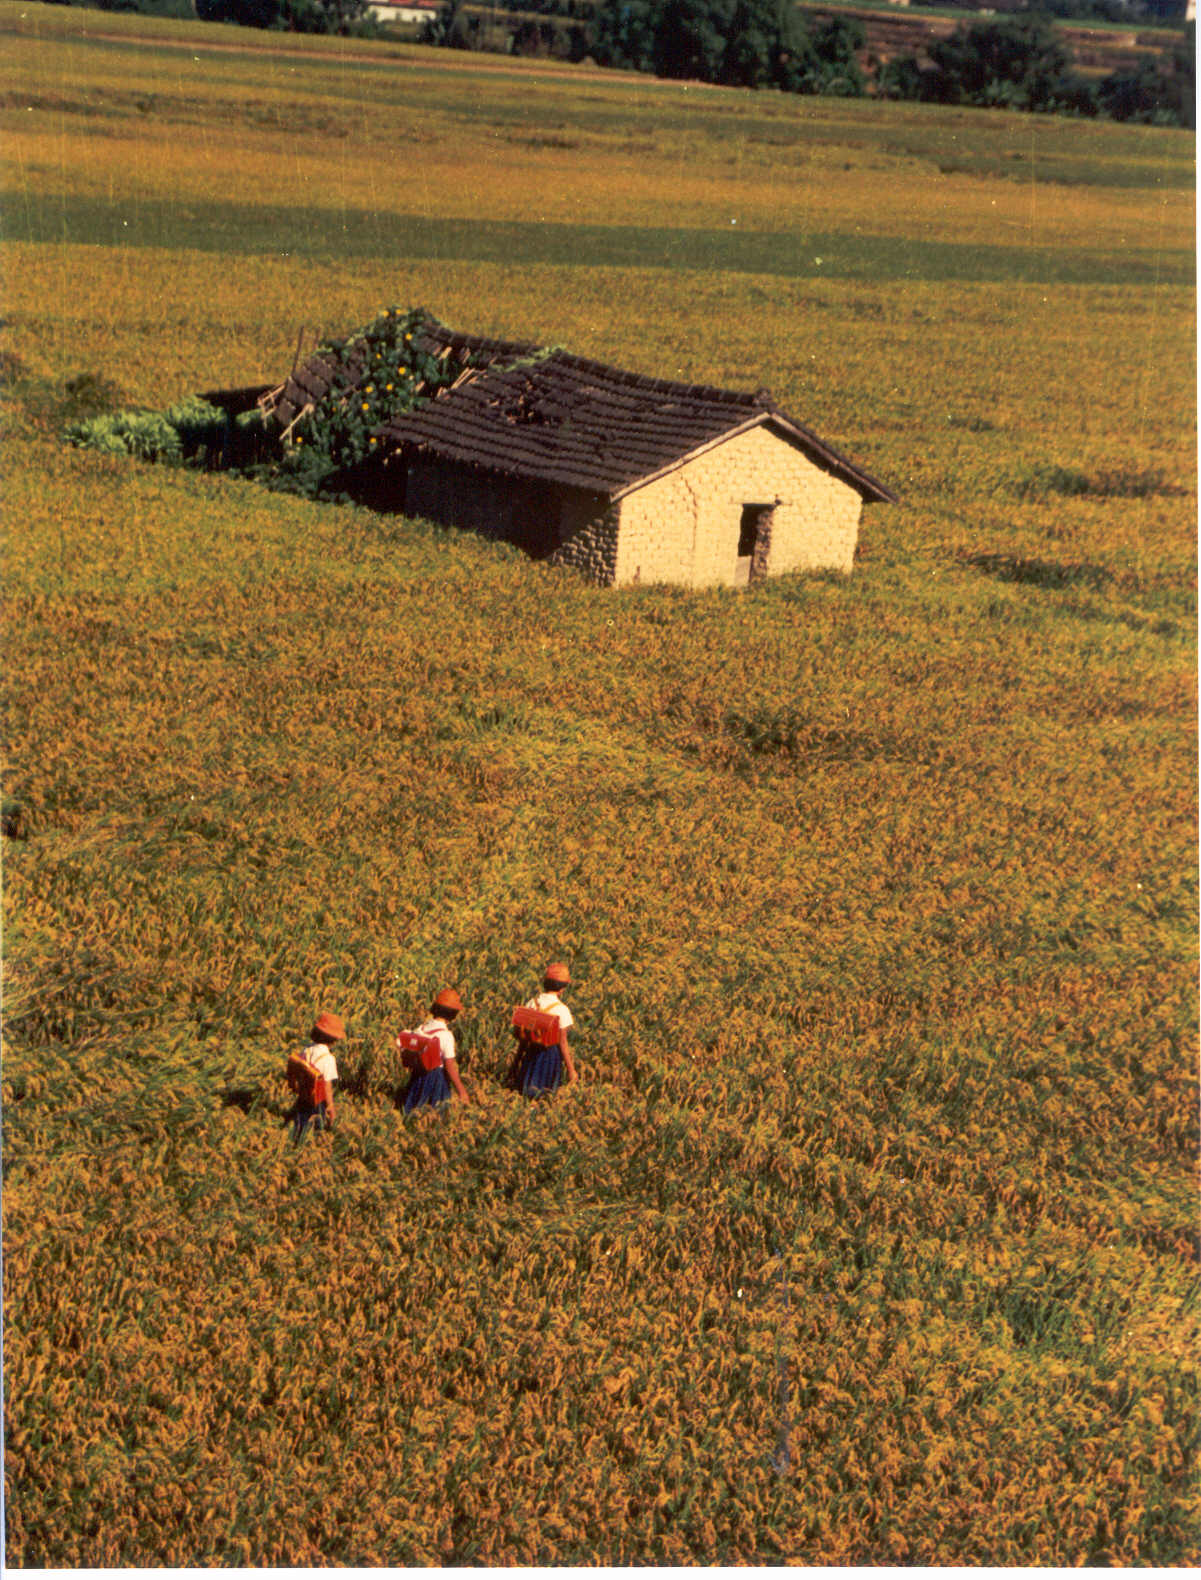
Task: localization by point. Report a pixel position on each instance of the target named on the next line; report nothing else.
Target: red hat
(331, 1025)
(448, 999)
(557, 972)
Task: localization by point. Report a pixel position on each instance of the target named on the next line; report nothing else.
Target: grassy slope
(869, 1234)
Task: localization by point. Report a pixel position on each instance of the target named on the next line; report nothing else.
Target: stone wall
(589, 537)
(684, 527)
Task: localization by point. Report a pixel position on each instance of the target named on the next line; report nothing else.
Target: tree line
(289, 16)
(742, 43)
(739, 43)
(1016, 62)
(1022, 63)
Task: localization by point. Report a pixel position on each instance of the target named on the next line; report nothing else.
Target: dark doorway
(754, 542)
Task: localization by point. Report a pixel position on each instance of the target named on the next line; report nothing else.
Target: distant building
(403, 10)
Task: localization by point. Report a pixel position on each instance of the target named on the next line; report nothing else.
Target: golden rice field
(869, 1235)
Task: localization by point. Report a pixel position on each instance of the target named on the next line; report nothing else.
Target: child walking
(429, 1052)
(311, 1075)
(542, 1058)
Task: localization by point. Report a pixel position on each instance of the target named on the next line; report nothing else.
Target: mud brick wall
(684, 527)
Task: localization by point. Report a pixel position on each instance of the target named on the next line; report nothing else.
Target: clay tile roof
(563, 419)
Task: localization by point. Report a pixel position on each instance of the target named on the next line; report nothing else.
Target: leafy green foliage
(165, 8)
(1162, 93)
(381, 371)
(745, 43)
(832, 66)
(1022, 63)
(186, 431)
(1017, 62)
(294, 16)
(147, 435)
(624, 34)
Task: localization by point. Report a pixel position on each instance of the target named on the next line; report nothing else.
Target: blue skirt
(305, 1117)
(540, 1071)
(427, 1088)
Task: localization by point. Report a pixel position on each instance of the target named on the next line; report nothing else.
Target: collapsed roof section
(312, 380)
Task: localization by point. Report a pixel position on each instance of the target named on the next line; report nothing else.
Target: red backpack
(537, 1026)
(419, 1050)
(306, 1080)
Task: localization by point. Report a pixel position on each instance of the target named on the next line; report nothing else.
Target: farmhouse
(403, 10)
(629, 478)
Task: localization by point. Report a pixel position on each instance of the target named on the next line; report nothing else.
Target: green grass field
(870, 1232)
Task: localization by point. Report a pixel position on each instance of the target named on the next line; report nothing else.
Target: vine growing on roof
(382, 369)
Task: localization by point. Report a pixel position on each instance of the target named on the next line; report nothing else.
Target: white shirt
(446, 1038)
(319, 1055)
(324, 1062)
(552, 1004)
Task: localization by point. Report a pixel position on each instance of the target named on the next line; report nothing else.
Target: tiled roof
(563, 419)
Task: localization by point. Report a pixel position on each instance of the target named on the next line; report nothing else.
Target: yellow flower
(366, 407)
(387, 386)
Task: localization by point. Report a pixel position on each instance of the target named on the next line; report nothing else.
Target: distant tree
(451, 27)
(903, 78)
(1095, 10)
(768, 46)
(1167, 10)
(1162, 92)
(1184, 62)
(981, 61)
(752, 44)
(1020, 63)
(247, 13)
(691, 38)
(324, 16)
(624, 35)
(834, 67)
(745, 43)
(294, 16)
